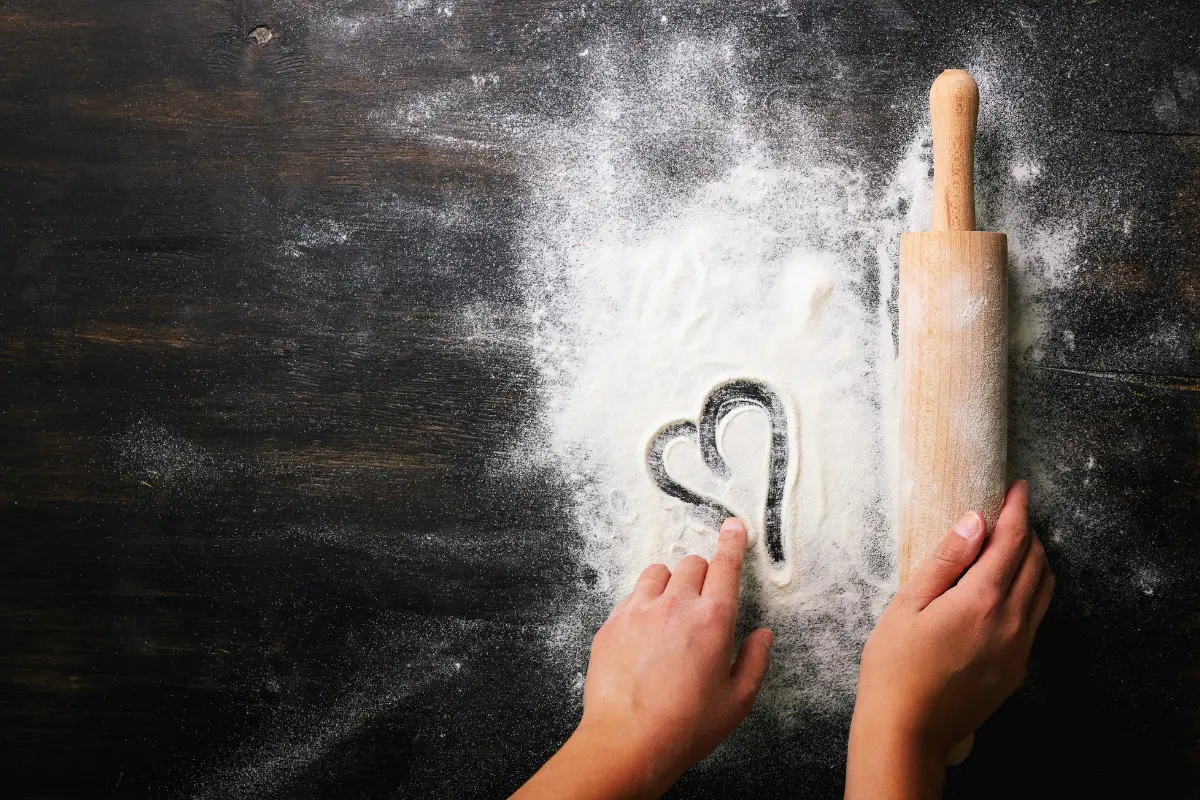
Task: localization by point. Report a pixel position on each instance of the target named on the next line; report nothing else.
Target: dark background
(253, 544)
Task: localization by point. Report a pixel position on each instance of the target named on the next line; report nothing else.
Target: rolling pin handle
(954, 111)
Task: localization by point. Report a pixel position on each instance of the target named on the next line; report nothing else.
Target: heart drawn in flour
(723, 401)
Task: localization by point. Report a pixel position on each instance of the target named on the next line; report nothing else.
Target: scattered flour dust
(769, 260)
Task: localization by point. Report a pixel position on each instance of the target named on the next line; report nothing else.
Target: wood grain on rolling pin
(953, 384)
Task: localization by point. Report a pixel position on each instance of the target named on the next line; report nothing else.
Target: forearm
(888, 764)
(589, 767)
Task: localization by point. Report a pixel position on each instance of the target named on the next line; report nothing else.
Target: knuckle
(746, 696)
(1036, 551)
(655, 571)
(1047, 588)
(672, 603)
(718, 611)
(751, 688)
(948, 550)
(725, 559)
(691, 562)
(602, 634)
(619, 609)
(709, 620)
(704, 614)
(906, 597)
(986, 601)
(635, 607)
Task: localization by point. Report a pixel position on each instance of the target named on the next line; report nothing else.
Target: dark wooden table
(254, 543)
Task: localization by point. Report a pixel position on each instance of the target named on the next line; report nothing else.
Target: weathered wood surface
(253, 544)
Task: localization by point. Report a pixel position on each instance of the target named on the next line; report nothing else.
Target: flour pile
(674, 243)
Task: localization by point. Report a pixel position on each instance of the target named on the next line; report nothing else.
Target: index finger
(1006, 547)
(725, 567)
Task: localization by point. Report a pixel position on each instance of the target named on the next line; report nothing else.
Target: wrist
(900, 725)
(593, 764)
(610, 762)
(890, 759)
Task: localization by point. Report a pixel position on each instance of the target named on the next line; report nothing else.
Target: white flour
(774, 263)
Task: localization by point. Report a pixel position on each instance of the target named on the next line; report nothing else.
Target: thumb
(942, 568)
(750, 667)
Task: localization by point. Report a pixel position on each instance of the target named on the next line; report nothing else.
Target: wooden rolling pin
(953, 347)
(953, 343)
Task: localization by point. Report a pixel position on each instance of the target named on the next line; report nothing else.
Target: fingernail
(770, 639)
(733, 525)
(970, 526)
